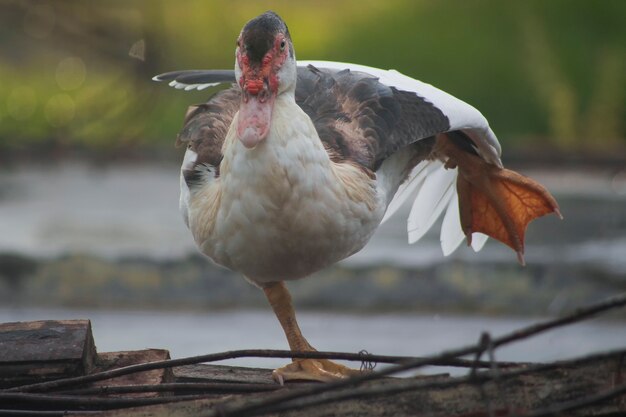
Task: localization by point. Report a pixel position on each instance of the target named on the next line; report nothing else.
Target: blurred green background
(76, 75)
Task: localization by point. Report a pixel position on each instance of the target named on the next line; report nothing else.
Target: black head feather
(259, 33)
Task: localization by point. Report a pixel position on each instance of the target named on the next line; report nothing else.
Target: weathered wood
(521, 394)
(112, 360)
(41, 350)
(221, 373)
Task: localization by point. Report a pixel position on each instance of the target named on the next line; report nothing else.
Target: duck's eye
(282, 45)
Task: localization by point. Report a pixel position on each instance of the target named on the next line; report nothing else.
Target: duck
(295, 164)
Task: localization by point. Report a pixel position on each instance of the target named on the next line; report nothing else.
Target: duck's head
(265, 67)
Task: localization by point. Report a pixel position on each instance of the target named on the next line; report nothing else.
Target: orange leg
(301, 369)
(495, 201)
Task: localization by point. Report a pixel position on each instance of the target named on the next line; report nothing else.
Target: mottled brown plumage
(204, 130)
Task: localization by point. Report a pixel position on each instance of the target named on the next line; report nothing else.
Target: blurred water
(109, 211)
(132, 210)
(189, 334)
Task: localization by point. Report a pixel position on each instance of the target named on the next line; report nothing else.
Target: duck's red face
(262, 49)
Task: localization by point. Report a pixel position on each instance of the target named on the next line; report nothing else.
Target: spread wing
(424, 109)
(363, 115)
(369, 98)
(379, 112)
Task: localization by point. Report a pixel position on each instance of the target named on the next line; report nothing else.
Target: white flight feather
(451, 233)
(478, 241)
(188, 87)
(408, 188)
(432, 199)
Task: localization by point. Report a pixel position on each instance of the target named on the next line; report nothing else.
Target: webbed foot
(321, 370)
(496, 201)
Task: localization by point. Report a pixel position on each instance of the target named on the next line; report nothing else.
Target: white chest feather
(283, 210)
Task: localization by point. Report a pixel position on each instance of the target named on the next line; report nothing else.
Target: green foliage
(77, 74)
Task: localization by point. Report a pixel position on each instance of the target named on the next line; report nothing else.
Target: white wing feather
(433, 197)
(478, 241)
(188, 87)
(408, 188)
(451, 233)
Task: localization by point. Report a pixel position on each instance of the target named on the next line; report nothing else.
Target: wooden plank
(222, 373)
(112, 360)
(41, 350)
(521, 394)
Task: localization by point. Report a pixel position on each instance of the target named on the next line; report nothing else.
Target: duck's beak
(257, 104)
(255, 117)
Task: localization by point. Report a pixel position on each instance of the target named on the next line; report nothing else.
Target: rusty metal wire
(367, 364)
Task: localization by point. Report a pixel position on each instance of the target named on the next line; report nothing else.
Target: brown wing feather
(362, 120)
(204, 130)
